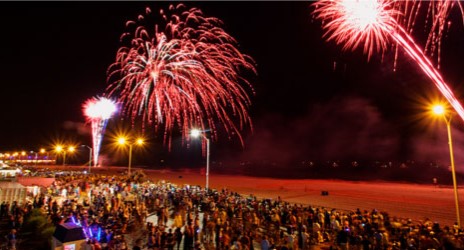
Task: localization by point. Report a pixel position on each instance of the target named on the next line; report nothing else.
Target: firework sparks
(352, 23)
(346, 22)
(435, 22)
(98, 111)
(185, 75)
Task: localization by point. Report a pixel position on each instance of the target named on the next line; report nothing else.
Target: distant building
(28, 158)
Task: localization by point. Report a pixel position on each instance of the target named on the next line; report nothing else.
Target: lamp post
(90, 155)
(64, 157)
(36, 158)
(16, 154)
(23, 157)
(440, 110)
(60, 149)
(71, 149)
(42, 151)
(197, 133)
(123, 141)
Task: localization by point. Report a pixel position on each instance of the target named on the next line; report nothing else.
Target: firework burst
(186, 74)
(346, 22)
(98, 111)
(355, 23)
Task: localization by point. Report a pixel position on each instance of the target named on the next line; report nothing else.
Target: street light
(123, 141)
(43, 151)
(36, 157)
(22, 158)
(90, 156)
(71, 149)
(15, 155)
(440, 110)
(195, 133)
(60, 149)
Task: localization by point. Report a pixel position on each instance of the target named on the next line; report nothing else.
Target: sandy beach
(403, 200)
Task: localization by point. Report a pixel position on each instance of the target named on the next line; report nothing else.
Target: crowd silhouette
(121, 212)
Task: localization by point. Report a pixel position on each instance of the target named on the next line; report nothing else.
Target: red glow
(356, 22)
(184, 75)
(343, 25)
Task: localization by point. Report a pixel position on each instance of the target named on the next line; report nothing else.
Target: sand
(402, 200)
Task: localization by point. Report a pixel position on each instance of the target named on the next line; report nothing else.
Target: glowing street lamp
(440, 110)
(36, 157)
(15, 157)
(60, 149)
(42, 151)
(90, 155)
(22, 157)
(195, 133)
(124, 141)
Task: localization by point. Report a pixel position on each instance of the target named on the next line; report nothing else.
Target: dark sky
(313, 101)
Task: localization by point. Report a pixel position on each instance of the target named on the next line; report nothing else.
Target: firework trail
(98, 111)
(186, 74)
(435, 22)
(374, 23)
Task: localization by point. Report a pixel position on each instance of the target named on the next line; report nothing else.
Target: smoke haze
(343, 128)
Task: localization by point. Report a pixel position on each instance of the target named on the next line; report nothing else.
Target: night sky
(313, 100)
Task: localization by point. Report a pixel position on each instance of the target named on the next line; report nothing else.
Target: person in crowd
(11, 239)
(219, 219)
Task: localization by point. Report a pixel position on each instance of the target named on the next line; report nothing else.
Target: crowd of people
(120, 212)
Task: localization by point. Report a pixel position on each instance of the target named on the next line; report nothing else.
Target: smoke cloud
(343, 128)
(80, 127)
(433, 145)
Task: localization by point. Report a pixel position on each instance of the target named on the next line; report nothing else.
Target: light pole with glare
(42, 151)
(36, 157)
(60, 149)
(90, 156)
(440, 110)
(197, 133)
(23, 154)
(123, 141)
(71, 149)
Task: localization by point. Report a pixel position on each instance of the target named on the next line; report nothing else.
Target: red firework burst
(185, 75)
(356, 22)
(373, 22)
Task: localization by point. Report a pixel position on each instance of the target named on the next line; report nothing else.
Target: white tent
(12, 191)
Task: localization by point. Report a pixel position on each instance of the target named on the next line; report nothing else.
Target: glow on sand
(98, 111)
(346, 22)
